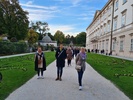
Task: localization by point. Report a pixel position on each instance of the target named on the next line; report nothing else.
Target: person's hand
(83, 59)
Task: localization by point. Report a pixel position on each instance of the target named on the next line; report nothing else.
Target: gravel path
(95, 87)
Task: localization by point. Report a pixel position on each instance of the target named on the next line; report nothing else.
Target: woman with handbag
(40, 63)
(80, 65)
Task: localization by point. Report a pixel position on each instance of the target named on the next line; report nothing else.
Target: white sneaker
(80, 87)
(42, 77)
(38, 77)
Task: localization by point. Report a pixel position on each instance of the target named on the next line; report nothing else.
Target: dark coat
(60, 60)
(36, 62)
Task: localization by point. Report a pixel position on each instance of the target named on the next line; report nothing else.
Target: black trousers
(69, 62)
(59, 71)
(80, 75)
(40, 70)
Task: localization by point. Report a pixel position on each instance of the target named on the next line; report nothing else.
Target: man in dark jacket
(60, 61)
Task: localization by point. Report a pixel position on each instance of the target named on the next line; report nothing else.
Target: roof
(98, 12)
(46, 39)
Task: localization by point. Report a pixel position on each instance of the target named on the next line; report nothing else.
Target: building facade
(112, 29)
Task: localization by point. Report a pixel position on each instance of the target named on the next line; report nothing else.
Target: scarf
(40, 55)
(83, 55)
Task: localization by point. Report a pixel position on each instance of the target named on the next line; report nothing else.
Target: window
(123, 19)
(105, 14)
(102, 17)
(98, 31)
(114, 42)
(121, 45)
(99, 45)
(108, 28)
(116, 5)
(124, 1)
(101, 31)
(106, 45)
(115, 23)
(105, 28)
(109, 11)
(131, 44)
(103, 45)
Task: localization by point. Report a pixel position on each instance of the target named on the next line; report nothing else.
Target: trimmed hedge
(7, 48)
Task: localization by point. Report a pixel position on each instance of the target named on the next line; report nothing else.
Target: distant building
(47, 41)
(112, 29)
(71, 43)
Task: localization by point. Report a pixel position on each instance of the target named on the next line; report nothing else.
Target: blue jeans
(80, 75)
(59, 71)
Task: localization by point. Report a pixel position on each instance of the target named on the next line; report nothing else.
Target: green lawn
(119, 71)
(18, 70)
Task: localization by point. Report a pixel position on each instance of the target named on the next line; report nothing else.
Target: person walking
(60, 61)
(76, 51)
(69, 56)
(40, 63)
(80, 60)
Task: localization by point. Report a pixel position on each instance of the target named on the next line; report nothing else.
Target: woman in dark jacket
(60, 61)
(40, 62)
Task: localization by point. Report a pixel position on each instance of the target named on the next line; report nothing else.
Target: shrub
(13, 39)
(7, 48)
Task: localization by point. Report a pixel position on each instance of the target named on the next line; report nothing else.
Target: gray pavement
(121, 57)
(95, 87)
(1, 57)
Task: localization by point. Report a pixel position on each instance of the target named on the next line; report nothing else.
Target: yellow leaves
(32, 36)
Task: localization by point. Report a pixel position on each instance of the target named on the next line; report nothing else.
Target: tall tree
(41, 27)
(14, 19)
(32, 37)
(73, 39)
(67, 39)
(81, 38)
(59, 36)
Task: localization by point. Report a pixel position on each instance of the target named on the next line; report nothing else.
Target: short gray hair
(82, 48)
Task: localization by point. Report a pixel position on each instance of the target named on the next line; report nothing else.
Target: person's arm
(44, 60)
(56, 54)
(77, 58)
(65, 54)
(35, 57)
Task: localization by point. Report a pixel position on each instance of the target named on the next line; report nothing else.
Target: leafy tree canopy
(59, 36)
(32, 37)
(13, 19)
(40, 27)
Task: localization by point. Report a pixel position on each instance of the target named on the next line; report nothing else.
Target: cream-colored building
(112, 29)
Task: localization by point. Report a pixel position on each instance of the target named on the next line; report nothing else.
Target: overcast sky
(69, 16)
